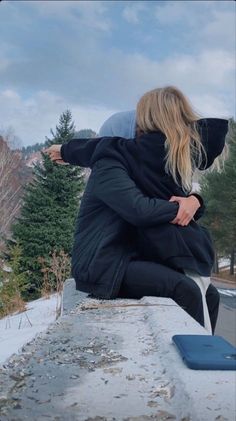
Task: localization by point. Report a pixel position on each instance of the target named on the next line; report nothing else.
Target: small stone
(74, 404)
(15, 398)
(164, 415)
(17, 406)
(41, 402)
(130, 377)
(20, 384)
(152, 404)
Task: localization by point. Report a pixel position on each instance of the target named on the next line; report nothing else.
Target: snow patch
(17, 329)
(228, 292)
(224, 262)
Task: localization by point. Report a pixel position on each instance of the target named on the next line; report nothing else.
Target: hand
(54, 153)
(188, 206)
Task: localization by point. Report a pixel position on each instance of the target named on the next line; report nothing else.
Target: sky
(98, 57)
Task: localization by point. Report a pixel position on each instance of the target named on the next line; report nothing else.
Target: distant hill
(27, 151)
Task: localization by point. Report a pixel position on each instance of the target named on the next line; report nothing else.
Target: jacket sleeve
(114, 187)
(84, 152)
(200, 212)
(213, 133)
(79, 151)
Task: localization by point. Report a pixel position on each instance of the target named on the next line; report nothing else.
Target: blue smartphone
(206, 352)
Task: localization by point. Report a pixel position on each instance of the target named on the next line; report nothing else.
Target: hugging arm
(190, 207)
(200, 211)
(114, 187)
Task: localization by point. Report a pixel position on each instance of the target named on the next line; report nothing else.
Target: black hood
(144, 157)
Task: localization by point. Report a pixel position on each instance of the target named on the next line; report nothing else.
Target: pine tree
(12, 285)
(51, 203)
(219, 192)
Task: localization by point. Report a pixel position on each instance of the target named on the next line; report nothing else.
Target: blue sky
(99, 57)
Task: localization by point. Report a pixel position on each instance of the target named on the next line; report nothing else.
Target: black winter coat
(104, 239)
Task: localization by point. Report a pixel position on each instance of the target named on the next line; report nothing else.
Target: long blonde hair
(168, 110)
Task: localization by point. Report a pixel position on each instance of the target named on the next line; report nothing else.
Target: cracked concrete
(112, 360)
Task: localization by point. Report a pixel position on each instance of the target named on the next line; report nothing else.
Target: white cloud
(74, 64)
(209, 68)
(212, 106)
(220, 30)
(207, 79)
(89, 13)
(175, 11)
(9, 94)
(209, 72)
(208, 23)
(64, 58)
(131, 12)
(33, 117)
(94, 14)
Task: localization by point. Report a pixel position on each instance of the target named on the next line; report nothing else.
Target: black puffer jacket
(112, 208)
(142, 160)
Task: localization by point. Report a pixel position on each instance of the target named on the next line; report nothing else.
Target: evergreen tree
(12, 285)
(219, 192)
(51, 203)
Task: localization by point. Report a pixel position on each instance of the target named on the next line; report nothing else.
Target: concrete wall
(149, 379)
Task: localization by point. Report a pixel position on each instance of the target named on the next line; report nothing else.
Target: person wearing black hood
(125, 244)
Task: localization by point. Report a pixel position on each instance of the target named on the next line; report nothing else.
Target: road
(226, 323)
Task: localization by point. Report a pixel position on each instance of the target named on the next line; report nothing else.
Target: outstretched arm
(82, 152)
(75, 152)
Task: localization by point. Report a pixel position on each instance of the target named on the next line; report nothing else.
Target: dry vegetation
(13, 175)
(225, 275)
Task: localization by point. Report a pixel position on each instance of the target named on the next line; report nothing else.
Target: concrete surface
(113, 360)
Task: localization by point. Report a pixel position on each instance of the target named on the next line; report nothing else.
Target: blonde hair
(168, 110)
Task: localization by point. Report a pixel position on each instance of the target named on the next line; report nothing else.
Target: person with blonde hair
(133, 193)
(189, 143)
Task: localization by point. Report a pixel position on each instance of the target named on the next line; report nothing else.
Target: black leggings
(144, 278)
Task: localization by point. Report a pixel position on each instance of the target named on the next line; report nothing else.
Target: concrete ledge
(140, 375)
